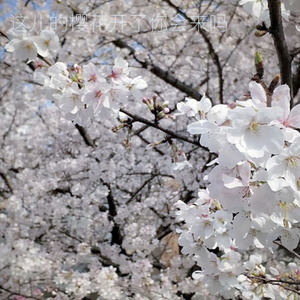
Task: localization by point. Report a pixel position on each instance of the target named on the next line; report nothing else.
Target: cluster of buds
(159, 110)
(124, 123)
(177, 152)
(127, 123)
(167, 139)
(258, 77)
(75, 73)
(261, 30)
(179, 157)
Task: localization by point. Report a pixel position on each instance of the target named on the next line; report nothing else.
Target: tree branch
(212, 52)
(293, 252)
(87, 139)
(159, 72)
(283, 54)
(141, 187)
(171, 133)
(296, 80)
(117, 237)
(282, 283)
(6, 181)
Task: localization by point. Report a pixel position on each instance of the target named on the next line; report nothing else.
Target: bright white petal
(229, 156)
(257, 92)
(290, 239)
(205, 104)
(281, 97)
(201, 127)
(218, 114)
(273, 139)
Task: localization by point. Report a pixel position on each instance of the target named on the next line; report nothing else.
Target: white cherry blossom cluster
(251, 205)
(252, 201)
(260, 10)
(82, 92)
(27, 48)
(79, 92)
(103, 281)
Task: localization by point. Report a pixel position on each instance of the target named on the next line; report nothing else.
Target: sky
(8, 8)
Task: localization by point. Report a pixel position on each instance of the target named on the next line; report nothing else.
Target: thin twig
(214, 55)
(275, 282)
(293, 252)
(6, 181)
(171, 133)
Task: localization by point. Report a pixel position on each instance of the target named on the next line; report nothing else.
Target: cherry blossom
(120, 71)
(251, 132)
(95, 97)
(24, 49)
(71, 100)
(211, 211)
(46, 43)
(254, 7)
(286, 165)
(135, 86)
(91, 74)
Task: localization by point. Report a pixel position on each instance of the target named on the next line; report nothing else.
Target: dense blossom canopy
(141, 158)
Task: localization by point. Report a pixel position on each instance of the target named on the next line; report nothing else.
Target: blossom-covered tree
(150, 150)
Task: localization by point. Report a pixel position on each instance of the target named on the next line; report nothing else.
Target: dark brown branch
(6, 181)
(117, 237)
(171, 133)
(141, 187)
(296, 80)
(9, 128)
(281, 283)
(273, 280)
(295, 52)
(293, 252)
(87, 139)
(106, 261)
(212, 52)
(61, 190)
(159, 72)
(283, 54)
(3, 34)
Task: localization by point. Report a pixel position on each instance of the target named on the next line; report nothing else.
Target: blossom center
(292, 161)
(29, 47)
(75, 97)
(286, 123)
(93, 78)
(115, 74)
(200, 242)
(254, 126)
